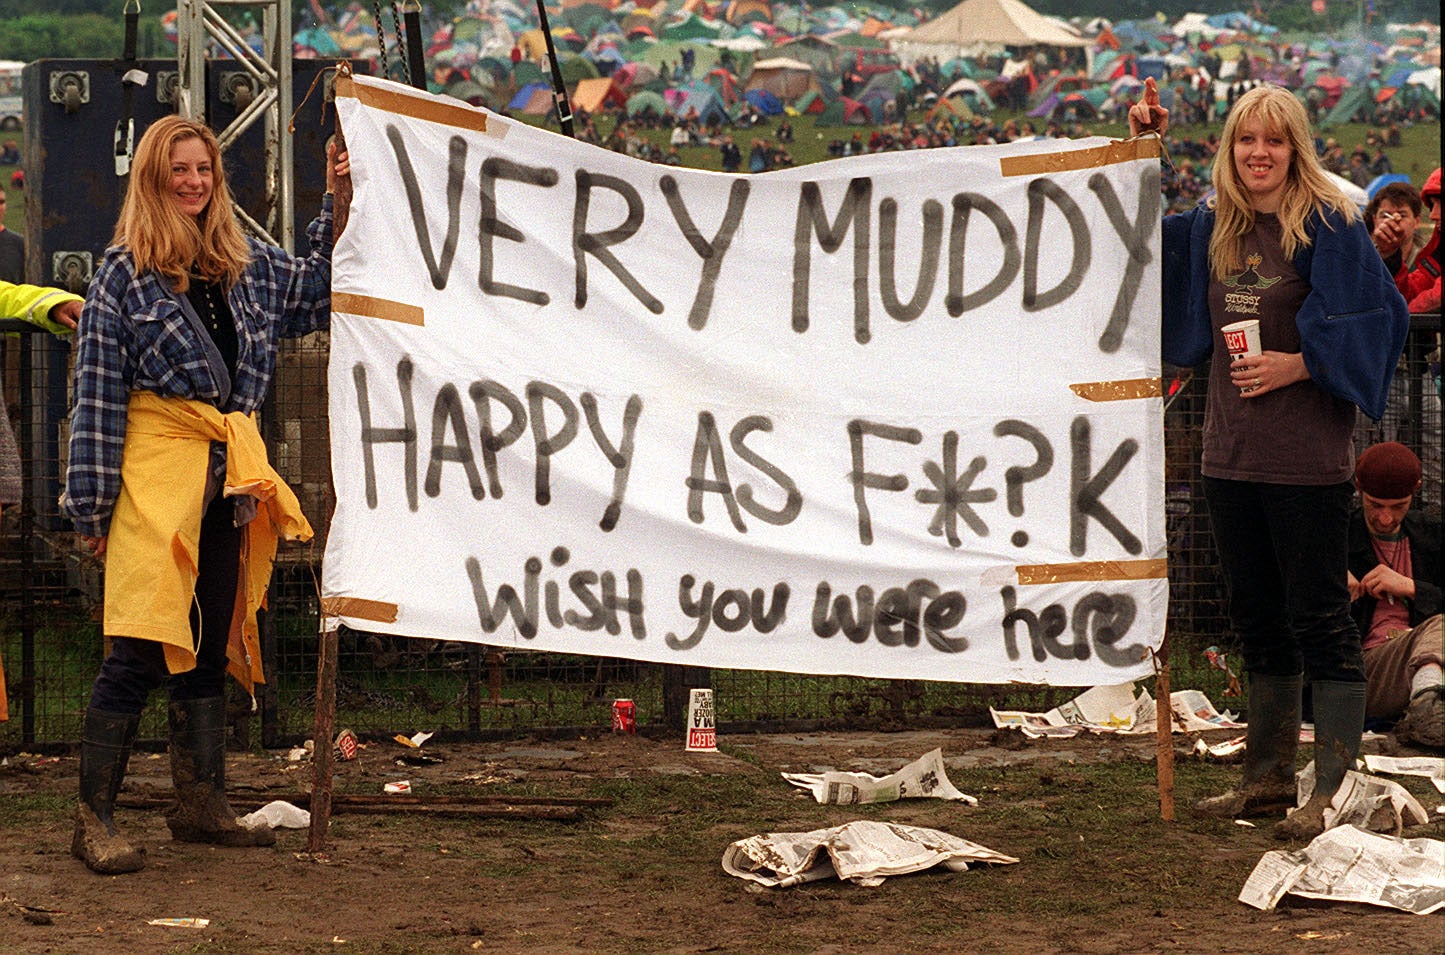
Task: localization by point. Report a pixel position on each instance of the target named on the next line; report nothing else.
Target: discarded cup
(701, 723)
(345, 748)
(402, 788)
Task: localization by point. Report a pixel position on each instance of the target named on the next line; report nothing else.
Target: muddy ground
(639, 870)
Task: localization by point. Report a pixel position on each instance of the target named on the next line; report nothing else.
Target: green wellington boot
(104, 751)
(198, 769)
(1271, 742)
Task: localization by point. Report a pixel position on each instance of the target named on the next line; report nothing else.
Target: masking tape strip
(1092, 570)
(370, 307)
(1126, 390)
(359, 608)
(1041, 164)
(445, 114)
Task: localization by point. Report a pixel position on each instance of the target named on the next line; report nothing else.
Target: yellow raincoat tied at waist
(152, 553)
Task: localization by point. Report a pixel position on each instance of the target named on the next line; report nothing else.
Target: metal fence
(51, 644)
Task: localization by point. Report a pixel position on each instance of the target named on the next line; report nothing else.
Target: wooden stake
(324, 729)
(321, 734)
(1164, 716)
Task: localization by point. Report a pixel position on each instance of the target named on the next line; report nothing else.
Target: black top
(12, 256)
(209, 301)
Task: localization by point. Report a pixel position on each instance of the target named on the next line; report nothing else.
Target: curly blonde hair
(1307, 187)
(163, 239)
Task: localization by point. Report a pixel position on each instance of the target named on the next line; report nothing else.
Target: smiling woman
(1281, 245)
(174, 355)
(192, 179)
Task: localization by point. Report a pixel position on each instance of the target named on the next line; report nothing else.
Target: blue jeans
(1283, 549)
(135, 667)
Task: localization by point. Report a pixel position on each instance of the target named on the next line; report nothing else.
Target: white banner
(897, 415)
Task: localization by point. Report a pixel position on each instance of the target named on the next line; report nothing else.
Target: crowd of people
(1186, 177)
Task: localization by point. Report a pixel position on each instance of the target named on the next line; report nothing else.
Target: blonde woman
(1279, 243)
(167, 478)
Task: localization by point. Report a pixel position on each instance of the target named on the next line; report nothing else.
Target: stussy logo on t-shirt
(1243, 300)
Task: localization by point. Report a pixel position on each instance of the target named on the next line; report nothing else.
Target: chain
(380, 34)
(401, 41)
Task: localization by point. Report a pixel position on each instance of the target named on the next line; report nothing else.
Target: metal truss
(260, 90)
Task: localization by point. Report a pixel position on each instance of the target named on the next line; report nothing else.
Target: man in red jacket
(1420, 284)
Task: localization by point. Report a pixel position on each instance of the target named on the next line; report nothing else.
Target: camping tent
(646, 101)
(1380, 182)
(1355, 100)
(984, 23)
(698, 97)
(764, 102)
(524, 100)
(844, 111)
(970, 92)
(593, 94)
(785, 78)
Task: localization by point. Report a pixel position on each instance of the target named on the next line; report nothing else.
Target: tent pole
(559, 88)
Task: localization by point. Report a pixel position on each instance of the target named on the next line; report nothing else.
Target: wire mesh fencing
(51, 644)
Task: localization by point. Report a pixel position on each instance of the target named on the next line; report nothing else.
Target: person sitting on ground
(1380, 164)
(1358, 171)
(758, 156)
(1394, 578)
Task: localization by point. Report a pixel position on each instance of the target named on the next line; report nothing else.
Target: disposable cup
(1242, 338)
(701, 723)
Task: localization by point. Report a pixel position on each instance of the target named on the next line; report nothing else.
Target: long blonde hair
(1306, 188)
(163, 239)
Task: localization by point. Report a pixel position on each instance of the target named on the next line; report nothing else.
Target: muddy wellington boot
(198, 770)
(1339, 722)
(104, 751)
(1271, 742)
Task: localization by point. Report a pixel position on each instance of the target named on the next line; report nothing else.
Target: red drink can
(624, 716)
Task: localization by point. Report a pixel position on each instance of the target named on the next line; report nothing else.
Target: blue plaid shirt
(137, 333)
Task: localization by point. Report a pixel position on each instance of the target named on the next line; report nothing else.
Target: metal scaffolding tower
(260, 90)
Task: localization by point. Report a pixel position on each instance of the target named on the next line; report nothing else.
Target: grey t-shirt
(1298, 434)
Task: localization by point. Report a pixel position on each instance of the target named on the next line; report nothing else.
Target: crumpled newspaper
(924, 777)
(862, 852)
(1372, 803)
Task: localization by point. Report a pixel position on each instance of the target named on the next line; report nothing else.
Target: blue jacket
(1352, 325)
